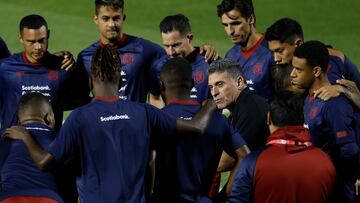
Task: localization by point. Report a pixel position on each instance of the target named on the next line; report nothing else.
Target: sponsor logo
(114, 117)
(37, 128)
(186, 118)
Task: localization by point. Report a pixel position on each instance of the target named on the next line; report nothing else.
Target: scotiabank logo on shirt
(114, 117)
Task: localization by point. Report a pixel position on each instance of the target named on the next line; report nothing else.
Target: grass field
(335, 22)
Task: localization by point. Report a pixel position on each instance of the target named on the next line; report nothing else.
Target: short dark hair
(315, 53)
(115, 4)
(245, 7)
(106, 64)
(32, 101)
(177, 72)
(32, 22)
(226, 65)
(284, 30)
(287, 109)
(280, 77)
(177, 22)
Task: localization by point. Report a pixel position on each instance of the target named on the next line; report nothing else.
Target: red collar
(182, 101)
(25, 58)
(250, 51)
(114, 99)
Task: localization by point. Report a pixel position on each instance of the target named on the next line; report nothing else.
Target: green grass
(331, 21)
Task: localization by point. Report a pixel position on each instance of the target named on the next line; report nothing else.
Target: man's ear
(20, 38)
(298, 42)
(95, 19)
(190, 37)
(317, 71)
(124, 17)
(252, 19)
(49, 119)
(240, 83)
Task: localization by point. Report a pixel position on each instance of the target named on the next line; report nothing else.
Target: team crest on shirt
(257, 70)
(53, 75)
(127, 58)
(329, 68)
(198, 76)
(20, 74)
(313, 112)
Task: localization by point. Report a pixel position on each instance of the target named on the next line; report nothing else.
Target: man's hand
(327, 92)
(350, 85)
(17, 133)
(68, 62)
(210, 52)
(351, 91)
(357, 186)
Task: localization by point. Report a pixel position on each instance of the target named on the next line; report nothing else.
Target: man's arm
(241, 153)
(351, 91)
(39, 156)
(199, 122)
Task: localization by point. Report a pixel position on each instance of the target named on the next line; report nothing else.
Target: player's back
(19, 175)
(112, 137)
(188, 163)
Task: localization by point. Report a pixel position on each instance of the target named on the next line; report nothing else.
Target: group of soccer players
(120, 149)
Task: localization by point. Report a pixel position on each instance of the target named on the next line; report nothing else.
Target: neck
(176, 95)
(115, 41)
(319, 82)
(27, 120)
(253, 38)
(105, 90)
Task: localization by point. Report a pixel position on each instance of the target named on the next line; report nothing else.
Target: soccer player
(111, 135)
(4, 51)
(189, 163)
(290, 168)
(332, 123)
(139, 57)
(35, 69)
(250, 49)
(286, 34)
(177, 39)
(21, 180)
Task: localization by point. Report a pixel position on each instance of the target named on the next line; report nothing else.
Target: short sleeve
(341, 125)
(66, 141)
(161, 123)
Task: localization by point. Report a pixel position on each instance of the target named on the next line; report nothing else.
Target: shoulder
(234, 51)
(337, 53)
(89, 50)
